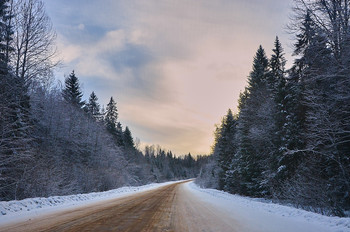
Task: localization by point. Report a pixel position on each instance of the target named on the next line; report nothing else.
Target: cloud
(170, 124)
(175, 67)
(81, 26)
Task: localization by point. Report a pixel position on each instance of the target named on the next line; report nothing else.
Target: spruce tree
(277, 67)
(127, 138)
(111, 116)
(72, 93)
(277, 86)
(119, 135)
(260, 68)
(295, 108)
(225, 146)
(111, 121)
(93, 107)
(304, 40)
(254, 130)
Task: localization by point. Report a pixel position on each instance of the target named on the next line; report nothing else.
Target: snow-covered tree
(15, 120)
(72, 93)
(225, 146)
(111, 116)
(93, 107)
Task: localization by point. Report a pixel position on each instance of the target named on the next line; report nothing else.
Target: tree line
(52, 142)
(290, 140)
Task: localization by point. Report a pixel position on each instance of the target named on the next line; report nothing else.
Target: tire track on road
(149, 211)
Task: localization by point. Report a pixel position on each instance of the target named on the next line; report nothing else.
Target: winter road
(179, 207)
(168, 208)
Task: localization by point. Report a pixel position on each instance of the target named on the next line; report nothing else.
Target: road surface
(168, 208)
(177, 207)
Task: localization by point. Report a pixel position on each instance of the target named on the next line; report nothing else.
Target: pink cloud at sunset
(174, 67)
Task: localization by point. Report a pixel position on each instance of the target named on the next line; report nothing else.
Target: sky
(174, 67)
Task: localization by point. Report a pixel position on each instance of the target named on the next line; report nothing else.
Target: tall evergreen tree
(111, 116)
(295, 108)
(260, 68)
(120, 135)
(277, 85)
(254, 129)
(111, 121)
(304, 40)
(225, 146)
(127, 138)
(72, 93)
(277, 64)
(93, 107)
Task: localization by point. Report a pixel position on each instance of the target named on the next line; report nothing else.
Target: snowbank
(12, 211)
(264, 215)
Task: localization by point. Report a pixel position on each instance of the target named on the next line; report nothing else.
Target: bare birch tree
(34, 55)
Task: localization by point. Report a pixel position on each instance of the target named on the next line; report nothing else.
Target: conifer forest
(290, 140)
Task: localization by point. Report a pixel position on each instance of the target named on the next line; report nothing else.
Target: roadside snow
(261, 216)
(14, 211)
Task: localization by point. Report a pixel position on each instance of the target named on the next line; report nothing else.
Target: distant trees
(292, 130)
(163, 165)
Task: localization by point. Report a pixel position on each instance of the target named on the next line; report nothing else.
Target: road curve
(168, 208)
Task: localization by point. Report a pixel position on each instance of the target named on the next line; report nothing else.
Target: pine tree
(305, 37)
(111, 121)
(254, 129)
(72, 93)
(277, 85)
(225, 146)
(277, 64)
(312, 47)
(260, 68)
(127, 138)
(119, 135)
(93, 107)
(111, 116)
(295, 108)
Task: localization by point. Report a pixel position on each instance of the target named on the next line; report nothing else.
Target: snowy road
(178, 207)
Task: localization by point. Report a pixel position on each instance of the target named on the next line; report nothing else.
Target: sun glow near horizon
(174, 67)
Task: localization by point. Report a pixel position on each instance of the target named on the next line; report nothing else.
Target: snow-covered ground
(15, 211)
(250, 214)
(256, 215)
